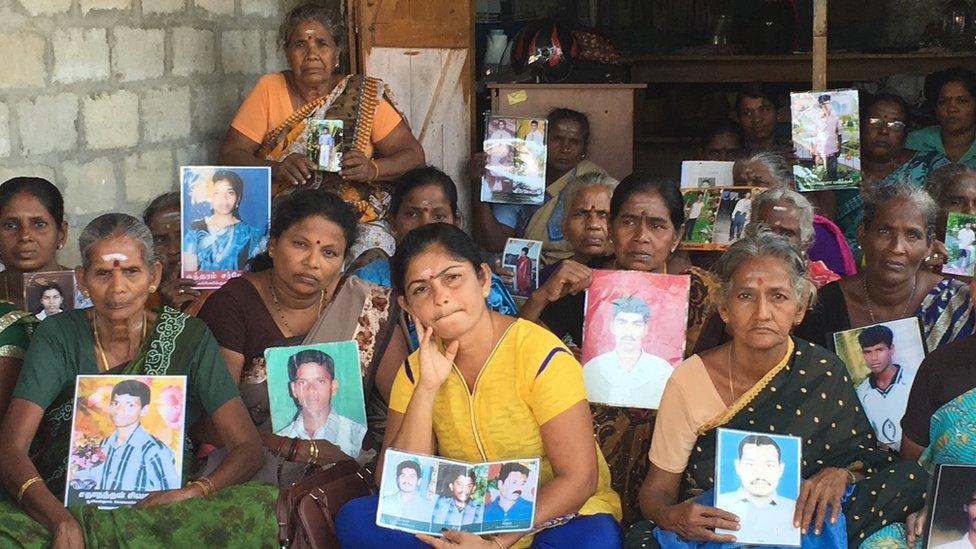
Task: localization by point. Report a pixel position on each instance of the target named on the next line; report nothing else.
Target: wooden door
(424, 49)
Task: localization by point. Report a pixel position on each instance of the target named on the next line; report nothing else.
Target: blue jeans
(356, 527)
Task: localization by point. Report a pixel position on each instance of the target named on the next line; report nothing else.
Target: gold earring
(152, 289)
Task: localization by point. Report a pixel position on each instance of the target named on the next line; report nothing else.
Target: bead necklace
(98, 339)
(281, 315)
(908, 302)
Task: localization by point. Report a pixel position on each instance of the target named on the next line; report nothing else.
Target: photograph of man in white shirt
(884, 393)
(535, 134)
(968, 540)
(312, 382)
(764, 516)
(627, 375)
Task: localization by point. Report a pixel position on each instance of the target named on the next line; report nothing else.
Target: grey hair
(765, 244)
(876, 199)
(112, 225)
(313, 12)
(938, 182)
(782, 194)
(588, 179)
(777, 164)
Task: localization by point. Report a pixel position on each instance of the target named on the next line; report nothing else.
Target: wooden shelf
(695, 69)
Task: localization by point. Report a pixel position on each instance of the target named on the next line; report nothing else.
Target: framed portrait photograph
(126, 439)
(757, 478)
(826, 130)
(421, 493)
(50, 292)
(960, 241)
(515, 170)
(952, 508)
(882, 360)
(316, 392)
(732, 216)
(225, 212)
(634, 328)
(715, 217)
(522, 257)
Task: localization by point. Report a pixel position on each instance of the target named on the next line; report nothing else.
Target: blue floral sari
(226, 249)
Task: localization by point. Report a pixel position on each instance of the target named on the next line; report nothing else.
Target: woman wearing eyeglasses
(884, 159)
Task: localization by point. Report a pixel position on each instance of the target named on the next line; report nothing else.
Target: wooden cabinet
(610, 108)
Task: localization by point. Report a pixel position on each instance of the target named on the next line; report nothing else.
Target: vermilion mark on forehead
(761, 281)
(115, 263)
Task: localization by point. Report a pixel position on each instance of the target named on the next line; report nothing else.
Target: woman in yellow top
(487, 387)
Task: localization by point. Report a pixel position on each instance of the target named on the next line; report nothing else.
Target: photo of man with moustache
(509, 509)
(764, 516)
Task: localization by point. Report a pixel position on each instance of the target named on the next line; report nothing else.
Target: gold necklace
(98, 339)
(731, 390)
(281, 315)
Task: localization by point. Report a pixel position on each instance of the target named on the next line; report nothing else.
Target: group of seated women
(452, 366)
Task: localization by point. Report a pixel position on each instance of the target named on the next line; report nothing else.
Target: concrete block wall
(107, 98)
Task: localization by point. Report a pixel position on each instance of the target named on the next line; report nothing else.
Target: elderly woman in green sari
(118, 337)
(766, 381)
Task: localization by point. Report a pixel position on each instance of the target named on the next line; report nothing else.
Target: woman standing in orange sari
(271, 125)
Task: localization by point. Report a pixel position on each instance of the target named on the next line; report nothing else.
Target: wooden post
(819, 44)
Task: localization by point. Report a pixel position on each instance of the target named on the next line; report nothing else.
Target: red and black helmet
(546, 48)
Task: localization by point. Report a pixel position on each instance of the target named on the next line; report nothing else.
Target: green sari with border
(241, 516)
(809, 395)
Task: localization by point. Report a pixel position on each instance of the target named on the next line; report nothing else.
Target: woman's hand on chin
(456, 538)
(294, 169)
(170, 496)
(697, 522)
(68, 535)
(435, 365)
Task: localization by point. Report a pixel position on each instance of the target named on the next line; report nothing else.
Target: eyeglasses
(893, 125)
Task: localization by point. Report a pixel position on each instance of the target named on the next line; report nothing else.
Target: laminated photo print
(427, 494)
(323, 143)
(951, 521)
(126, 439)
(515, 170)
(826, 139)
(316, 393)
(522, 257)
(50, 292)
(225, 212)
(757, 478)
(706, 173)
(882, 360)
(961, 242)
(700, 209)
(633, 335)
(732, 216)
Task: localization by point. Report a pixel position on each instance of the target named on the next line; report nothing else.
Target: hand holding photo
(126, 438)
(522, 257)
(426, 494)
(225, 217)
(826, 139)
(633, 335)
(757, 478)
(882, 360)
(316, 393)
(961, 242)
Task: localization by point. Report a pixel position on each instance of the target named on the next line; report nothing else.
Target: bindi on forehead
(115, 258)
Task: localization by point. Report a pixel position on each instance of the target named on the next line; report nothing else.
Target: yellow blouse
(529, 378)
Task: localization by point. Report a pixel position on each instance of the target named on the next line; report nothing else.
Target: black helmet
(547, 49)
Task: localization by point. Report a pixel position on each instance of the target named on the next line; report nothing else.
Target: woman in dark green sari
(118, 337)
(766, 381)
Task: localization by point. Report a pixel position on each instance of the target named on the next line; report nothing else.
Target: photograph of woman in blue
(222, 241)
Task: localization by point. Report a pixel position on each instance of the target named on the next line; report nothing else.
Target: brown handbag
(307, 508)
